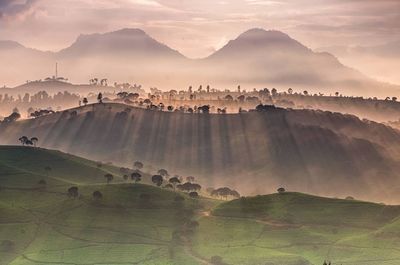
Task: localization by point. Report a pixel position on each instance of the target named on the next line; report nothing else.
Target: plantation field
(143, 224)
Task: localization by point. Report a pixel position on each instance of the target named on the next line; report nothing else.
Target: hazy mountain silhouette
(380, 61)
(257, 58)
(133, 43)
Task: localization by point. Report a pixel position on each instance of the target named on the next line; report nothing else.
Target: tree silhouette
(85, 101)
(100, 97)
(157, 180)
(34, 140)
(97, 195)
(281, 190)
(23, 140)
(174, 181)
(163, 172)
(228, 97)
(138, 165)
(193, 194)
(73, 192)
(136, 177)
(109, 177)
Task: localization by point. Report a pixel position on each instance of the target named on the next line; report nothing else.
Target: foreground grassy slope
(132, 224)
(143, 224)
(295, 228)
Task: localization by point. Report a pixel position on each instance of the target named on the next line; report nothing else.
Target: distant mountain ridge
(256, 58)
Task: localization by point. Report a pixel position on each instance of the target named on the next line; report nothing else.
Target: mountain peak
(259, 34)
(258, 41)
(128, 31)
(125, 43)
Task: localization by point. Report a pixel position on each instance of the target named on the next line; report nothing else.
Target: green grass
(295, 228)
(48, 227)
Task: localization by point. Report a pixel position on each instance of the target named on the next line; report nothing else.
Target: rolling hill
(303, 150)
(143, 224)
(260, 58)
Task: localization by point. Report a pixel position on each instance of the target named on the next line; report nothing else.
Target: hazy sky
(196, 28)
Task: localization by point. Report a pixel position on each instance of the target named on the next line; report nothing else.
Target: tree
(174, 181)
(34, 140)
(73, 192)
(290, 91)
(169, 186)
(97, 195)
(228, 97)
(163, 172)
(193, 194)
(138, 165)
(100, 97)
(85, 101)
(281, 190)
(241, 98)
(125, 177)
(205, 109)
(157, 180)
(109, 177)
(136, 177)
(23, 140)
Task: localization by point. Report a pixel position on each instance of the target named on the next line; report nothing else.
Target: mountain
(20, 63)
(273, 58)
(130, 43)
(257, 58)
(309, 151)
(378, 61)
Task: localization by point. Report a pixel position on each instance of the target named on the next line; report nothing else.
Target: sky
(197, 28)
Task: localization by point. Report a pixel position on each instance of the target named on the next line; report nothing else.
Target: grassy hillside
(310, 151)
(143, 224)
(295, 228)
(298, 208)
(132, 223)
(25, 167)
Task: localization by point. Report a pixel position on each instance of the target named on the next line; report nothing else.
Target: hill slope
(309, 151)
(132, 223)
(293, 228)
(142, 224)
(25, 167)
